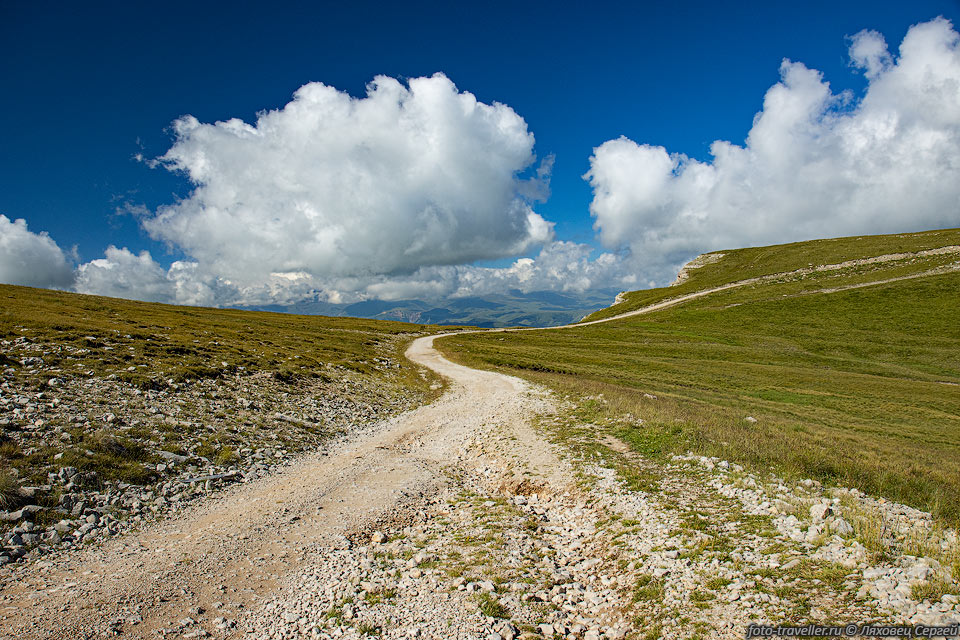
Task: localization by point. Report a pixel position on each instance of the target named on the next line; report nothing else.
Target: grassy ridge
(147, 343)
(857, 387)
(753, 262)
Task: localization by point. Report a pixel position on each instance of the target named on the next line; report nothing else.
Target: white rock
(841, 527)
(819, 511)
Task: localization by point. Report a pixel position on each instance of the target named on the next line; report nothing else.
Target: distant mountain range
(511, 309)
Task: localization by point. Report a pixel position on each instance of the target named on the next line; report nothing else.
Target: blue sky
(89, 87)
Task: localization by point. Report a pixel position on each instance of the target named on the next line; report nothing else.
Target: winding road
(232, 550)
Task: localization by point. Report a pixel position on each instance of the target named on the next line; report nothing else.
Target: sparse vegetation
(380, 595)
(55, 340)
(714, 584)
(648, 588)
(934, 589)
(9, 490)
(111, 456)
(147, 344)
(490, 606)
(368, 629)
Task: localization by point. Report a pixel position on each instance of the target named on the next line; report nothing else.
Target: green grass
(380, 595)
(648, 589)
(934, 589)
(150, 346)
(717, 583)
(368, 629)
(182, 343)
(9, 490)
(114, 458)
(855, 388)
(753, 262)
(491, 607)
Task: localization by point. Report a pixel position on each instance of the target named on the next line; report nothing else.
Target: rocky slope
(95, 455)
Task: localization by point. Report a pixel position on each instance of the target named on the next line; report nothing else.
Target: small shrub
(9, 490)
(648, 588)
(933, 590)
(491, 607)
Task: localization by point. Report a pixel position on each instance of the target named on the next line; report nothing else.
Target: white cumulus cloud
(339, 198)
(123, 274)
(332, 186)
(31, 259)
(815, 163)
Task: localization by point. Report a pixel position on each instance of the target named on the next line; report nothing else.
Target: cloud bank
(815, 164)
(31, 259)
(560, 266)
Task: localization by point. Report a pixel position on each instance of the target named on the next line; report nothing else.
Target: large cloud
(394, 195)
(335, 186)
(31, 259)
(815, 163)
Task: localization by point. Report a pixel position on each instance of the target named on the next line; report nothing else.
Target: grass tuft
(491, 607)
(648, 589)
(9, 490)
(933, 590)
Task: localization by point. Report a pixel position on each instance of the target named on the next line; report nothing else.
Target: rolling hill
(833, 359)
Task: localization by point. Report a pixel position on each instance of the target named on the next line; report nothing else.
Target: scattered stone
(819, 512)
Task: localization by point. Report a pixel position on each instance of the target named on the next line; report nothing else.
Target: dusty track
(239, 546)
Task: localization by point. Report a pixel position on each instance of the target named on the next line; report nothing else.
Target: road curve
(238, 547)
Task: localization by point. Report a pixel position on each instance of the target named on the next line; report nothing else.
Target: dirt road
(232, 550)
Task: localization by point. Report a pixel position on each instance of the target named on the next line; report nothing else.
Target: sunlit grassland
(112, 349)
(857, 387)
(753, 262)
(147, 343)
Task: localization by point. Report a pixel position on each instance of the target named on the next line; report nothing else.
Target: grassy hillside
(857, 386)
(742, 264)
(106, 385)
(146, 344)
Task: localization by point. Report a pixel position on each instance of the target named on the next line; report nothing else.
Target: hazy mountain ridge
(513, 308)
